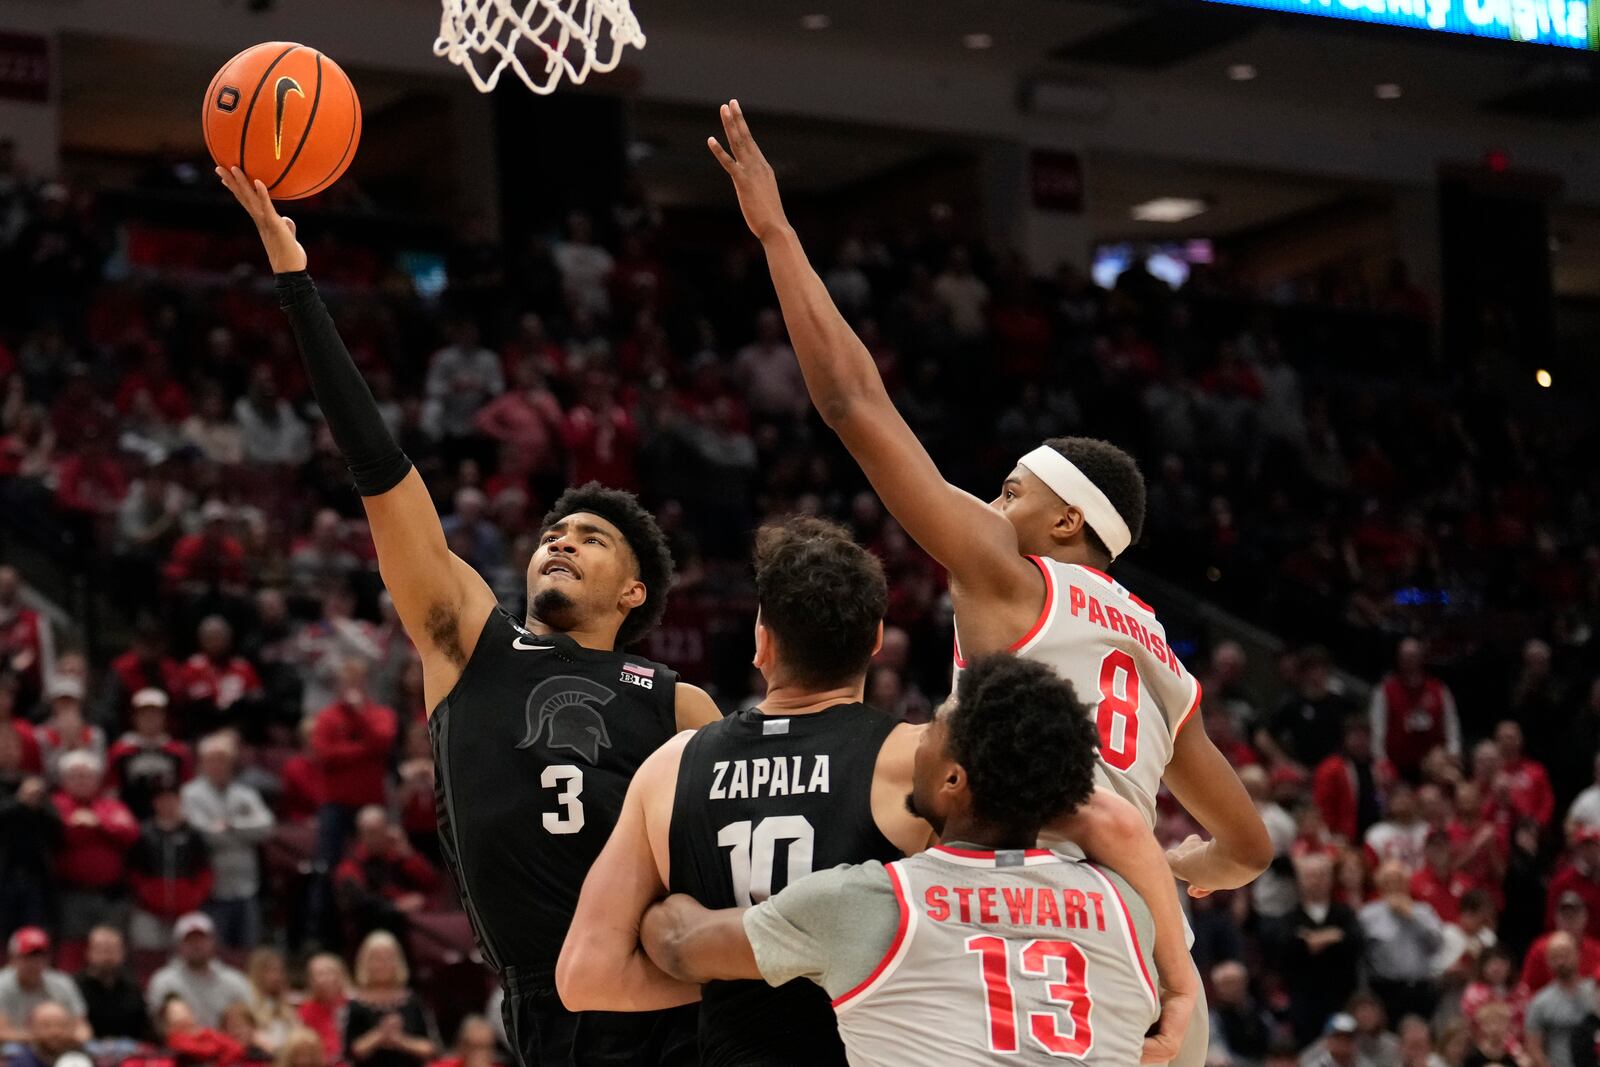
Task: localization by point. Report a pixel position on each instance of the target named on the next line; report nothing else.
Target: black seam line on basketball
(206, 107)
(305, 134)
(251, 110)
(355, 127)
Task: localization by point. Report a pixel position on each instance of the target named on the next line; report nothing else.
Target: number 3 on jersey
(569, 780)
(1117, 717)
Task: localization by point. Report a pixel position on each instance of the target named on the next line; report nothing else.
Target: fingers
(1159, 1049)
(729, 129)
(721, 154)
(1197, 893)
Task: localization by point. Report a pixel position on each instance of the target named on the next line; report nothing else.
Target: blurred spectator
(302, 1048)
(1493, 1040)
(234, 820)
(146, 759)
(1465, 940)
(52, 1039)
(386, 1024)
(169, 872)
(413, 798)
(28, 981)
(91, 864)
(353, 740)
(1337, 1046)
(30, 834)
(470, 532)
(475, 1045)
(239, 1025)
(463, 376)
(585, 267)
(1538, 700)
(149, 523)
(271, 432)
(1318, 949)
(272, 1013)
(1272, 895)
(1557, 1010)
(327, 994)
(304, 787)
(219, 685)
(768, 372)
(1585, 811)
(192, 1043)
(1241, 1030)
(322, 650)
(1572, 919)
(1374, 1041)
(1494, 983)
(600, 436)
(145, 666)
(1412, 713)
(382, 880)
(1309, 726)
(1579, 875)
(114, 1003)
(195, 976)
(16, 728)
(65, 730)
(324, 558)
(526, 419)
(1480, 845)
(1402, 834)
(25, 644)
(1402, 936)
(1347, 784)
(964, 295)
(212, 431)
(209, 560)
(1416, 1044)
(1527, 785)
(273, 646)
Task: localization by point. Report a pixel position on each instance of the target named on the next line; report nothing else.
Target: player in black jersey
(808, 779)
(538, 725)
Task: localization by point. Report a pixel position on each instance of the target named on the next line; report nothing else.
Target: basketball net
(556, 37)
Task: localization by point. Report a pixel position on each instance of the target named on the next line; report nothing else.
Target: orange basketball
(285, 114)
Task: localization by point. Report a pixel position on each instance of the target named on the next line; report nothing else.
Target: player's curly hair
(652, 555)
(822, 596)
(1025, 740)
(1114, 473)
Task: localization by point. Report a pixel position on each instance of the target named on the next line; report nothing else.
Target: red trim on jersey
(985, 853)
(1038, 624)
(894, 946)
(1102, 574)
(1133, 934)
(1194, 705)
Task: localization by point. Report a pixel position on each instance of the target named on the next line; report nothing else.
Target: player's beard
(555, 609)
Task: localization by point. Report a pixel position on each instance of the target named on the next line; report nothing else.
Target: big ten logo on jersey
(643, 677)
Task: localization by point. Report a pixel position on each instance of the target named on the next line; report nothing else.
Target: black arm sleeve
(375, 460)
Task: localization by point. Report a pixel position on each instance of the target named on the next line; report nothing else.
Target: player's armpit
(602, 966)
(1205, 783)
(692, 943)
(694, 707)
(442, 602)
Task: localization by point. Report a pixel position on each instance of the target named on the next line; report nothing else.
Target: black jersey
(535, 747)
(760, 802)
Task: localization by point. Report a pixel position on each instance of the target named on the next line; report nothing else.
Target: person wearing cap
(234, 821)
(195, 975)
(28, 981)
(169, 871)
(1337, 1047)
(1572, 919)
(147, 759)
(1580, 874)
(91, 863)
(65, 729)
(1557, 1010)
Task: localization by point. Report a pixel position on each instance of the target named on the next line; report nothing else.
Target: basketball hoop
(571, 37)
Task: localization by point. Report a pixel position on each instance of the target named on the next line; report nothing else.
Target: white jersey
(1004, 957)
(1109, 644)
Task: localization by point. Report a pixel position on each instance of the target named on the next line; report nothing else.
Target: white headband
(1074, 487)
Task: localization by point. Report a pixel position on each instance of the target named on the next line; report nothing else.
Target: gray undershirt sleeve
(832, 927)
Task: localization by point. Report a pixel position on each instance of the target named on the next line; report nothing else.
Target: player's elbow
(1253, 851)
(580, 982)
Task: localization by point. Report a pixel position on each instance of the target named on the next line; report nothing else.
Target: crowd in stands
(227, 765)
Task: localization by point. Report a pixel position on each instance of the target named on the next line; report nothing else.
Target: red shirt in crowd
(134, 672)
(1529, 790)
(1442, 891)
(96, 836)
(353, 746)
(1334, 789)
(1536, 971)
(32, 760)
(1569, 877)
(202, 1046)
(390, 873)
(90, 484)
(1410, 721)
(206, 681)
(601, 445)
(138, 765)
(22, 643)
(199, 557)
(327, 1022)
(305, 788)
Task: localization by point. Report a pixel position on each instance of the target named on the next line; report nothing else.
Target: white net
(541, 40)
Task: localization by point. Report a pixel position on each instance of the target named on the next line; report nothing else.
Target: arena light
(1242, 72)
(1386, 91)
(1542, 376)
(816, 21)
(978, 41)
(1169, 209)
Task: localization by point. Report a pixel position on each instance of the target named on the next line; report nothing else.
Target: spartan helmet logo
(569, 706)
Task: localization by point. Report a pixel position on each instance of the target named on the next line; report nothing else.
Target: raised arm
(1207, 786)
(441, 601)
(602, 966)
(971, 540)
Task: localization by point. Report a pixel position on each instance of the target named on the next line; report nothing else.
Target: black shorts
(545, 1034)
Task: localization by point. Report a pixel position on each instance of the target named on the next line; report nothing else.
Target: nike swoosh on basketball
(530, 648)
(285, 86)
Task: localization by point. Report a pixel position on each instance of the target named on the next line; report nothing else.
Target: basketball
(285, 114)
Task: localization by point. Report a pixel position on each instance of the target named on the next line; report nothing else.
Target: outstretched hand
(752, 175)
(284, 251)
(1177, 1008)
